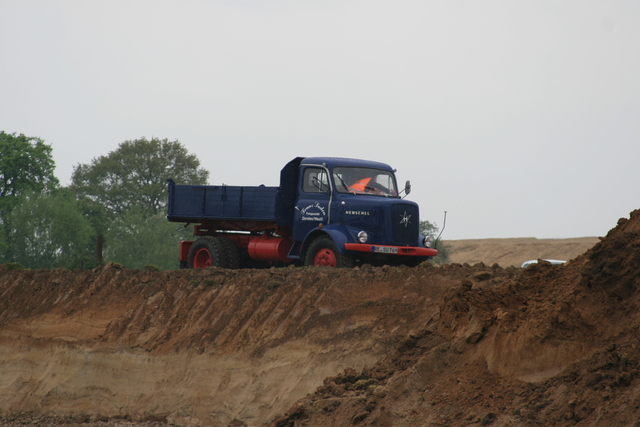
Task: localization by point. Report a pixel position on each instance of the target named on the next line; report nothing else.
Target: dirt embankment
(199, 346)
(556, 345)
(452, 345)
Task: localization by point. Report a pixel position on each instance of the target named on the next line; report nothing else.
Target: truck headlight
(428, 241)
(363, 237)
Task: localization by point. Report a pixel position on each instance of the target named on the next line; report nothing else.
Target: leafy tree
(98, 218)
(25, 165)
(48, 231)
(431, 229)
(135, 240)
(135, 175)
(96, 214)
(428, 228)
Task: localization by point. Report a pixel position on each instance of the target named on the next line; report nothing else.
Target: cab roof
(332, 162)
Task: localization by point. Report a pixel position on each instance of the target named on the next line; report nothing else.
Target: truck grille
(405, 224)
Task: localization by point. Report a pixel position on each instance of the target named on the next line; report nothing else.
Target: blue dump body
(194, 203)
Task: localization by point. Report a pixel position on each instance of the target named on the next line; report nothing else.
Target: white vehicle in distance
(535, 261)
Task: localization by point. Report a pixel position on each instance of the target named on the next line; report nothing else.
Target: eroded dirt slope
(200, 346)
(451, 345)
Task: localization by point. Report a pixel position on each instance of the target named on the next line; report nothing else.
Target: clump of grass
(273, 285)
(264, 297)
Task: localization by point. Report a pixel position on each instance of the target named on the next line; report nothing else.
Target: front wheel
(324, 253)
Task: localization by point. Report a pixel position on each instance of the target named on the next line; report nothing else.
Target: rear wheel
(323, 252)
(205, 252)
(231, 252)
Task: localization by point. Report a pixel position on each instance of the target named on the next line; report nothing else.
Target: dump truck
(327, 211)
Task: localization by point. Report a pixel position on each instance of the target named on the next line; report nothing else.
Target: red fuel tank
(267, 248)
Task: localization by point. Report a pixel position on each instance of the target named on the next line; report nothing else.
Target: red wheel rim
(202, 259)
(325, 258)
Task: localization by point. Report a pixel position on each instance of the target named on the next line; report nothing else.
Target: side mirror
(407, 188)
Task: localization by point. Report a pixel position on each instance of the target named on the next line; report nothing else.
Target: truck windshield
(369, 181)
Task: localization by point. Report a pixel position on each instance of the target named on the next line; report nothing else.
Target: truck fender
(337, 233)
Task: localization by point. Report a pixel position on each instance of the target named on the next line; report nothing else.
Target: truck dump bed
(197, 203)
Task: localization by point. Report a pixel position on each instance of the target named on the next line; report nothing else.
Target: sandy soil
(513, 252)
(462, 344)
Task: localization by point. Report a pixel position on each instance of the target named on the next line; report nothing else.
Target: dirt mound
(556, 345)
(453, 345)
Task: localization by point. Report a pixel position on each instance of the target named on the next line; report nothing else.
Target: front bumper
(391, 250)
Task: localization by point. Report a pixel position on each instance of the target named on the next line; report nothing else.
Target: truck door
(313, 203)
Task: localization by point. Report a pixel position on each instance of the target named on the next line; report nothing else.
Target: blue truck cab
(327, 211)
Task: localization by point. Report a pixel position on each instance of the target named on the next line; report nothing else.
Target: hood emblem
(405, 219)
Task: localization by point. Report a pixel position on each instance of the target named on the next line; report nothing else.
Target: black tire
(231, 252)
(205, 252)
(323, 252)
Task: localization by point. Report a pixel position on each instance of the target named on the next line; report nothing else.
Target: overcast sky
(518, 118)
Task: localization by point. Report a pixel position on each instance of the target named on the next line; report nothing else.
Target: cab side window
(315, 180)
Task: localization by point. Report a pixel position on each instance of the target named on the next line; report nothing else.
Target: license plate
(385, 250)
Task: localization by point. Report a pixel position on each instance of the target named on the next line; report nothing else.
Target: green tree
(48, 231)
(135, 240)
(431, 229)
(26, 165)
(135, 175)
